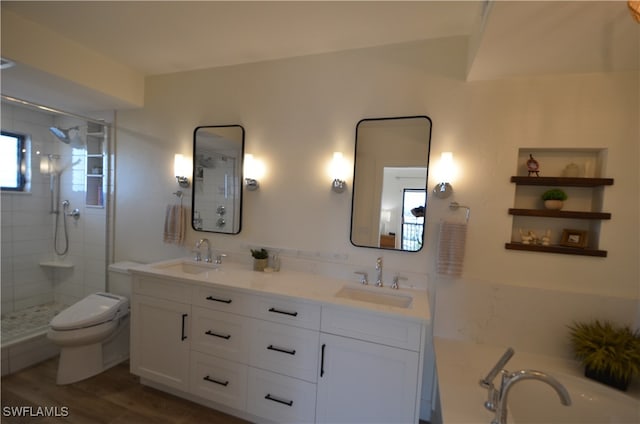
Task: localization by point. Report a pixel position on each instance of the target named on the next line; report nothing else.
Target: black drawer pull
(222, 383)
(277, 311)
(275, 399)
(213, 299)
(279, 349)
(322, 361)
(184, 335)
(211, 333)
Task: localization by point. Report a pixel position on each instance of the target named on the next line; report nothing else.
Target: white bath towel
(175, 224)
(453, 236)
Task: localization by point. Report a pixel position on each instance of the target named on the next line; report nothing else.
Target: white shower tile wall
(28, 226)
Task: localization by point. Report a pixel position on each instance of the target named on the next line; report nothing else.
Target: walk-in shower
(55, 240)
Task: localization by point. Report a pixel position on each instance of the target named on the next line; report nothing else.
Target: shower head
(67, 136)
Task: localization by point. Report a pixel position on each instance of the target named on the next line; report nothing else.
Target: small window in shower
(12, 161)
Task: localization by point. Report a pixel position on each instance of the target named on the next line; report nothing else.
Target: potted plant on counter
(260, 259)
(610, 353)
(554, 198)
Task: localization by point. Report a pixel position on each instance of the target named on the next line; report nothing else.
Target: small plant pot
(260, 264)
(606, 378)
(553, 204)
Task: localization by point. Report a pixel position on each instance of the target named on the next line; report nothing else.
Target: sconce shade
(446, 170)
(253, 171)
(181, 168)
(338, 172)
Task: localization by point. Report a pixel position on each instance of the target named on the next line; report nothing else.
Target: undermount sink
(189, 267)
(372, 296)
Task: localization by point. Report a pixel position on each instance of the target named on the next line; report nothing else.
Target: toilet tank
(119, 281)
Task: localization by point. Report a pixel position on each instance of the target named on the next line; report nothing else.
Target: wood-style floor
(113, 397)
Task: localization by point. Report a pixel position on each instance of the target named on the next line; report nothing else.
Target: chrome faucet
(379, 269)
(497, 399)
(509, 380)
(199, 245)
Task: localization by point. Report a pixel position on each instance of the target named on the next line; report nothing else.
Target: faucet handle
(197, 256)
(364, 277)
(219, 257)
(394, 284)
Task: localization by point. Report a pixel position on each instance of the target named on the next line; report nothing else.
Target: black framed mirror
(390, 183)
(218, 152)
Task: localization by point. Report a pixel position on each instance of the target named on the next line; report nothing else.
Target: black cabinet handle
(222, 383)
(213, 299)
(211, 333)
(277, 311)
(279, 349)
(184, 319)
(322, 360)
(282, 401)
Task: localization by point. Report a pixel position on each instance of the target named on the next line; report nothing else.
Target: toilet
(93, 334)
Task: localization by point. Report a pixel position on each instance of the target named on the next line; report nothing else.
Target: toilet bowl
(93, 335)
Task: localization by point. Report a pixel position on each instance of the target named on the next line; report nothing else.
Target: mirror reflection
(390, 182)
(217, 178)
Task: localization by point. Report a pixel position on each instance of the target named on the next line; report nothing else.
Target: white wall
(296, 112)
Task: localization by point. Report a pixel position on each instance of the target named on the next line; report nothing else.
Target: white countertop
(460, 366)
(309, 287)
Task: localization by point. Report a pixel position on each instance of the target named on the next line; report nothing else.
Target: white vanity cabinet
(362, 380)
(273, 357)
(160, 336)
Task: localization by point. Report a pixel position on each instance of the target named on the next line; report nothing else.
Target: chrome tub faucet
(497, 398)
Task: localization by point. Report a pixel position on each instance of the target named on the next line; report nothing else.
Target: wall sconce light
(253, 171)
(443, 189)
(338, 171)
(181, 168)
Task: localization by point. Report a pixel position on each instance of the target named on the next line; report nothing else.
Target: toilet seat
(93, 310)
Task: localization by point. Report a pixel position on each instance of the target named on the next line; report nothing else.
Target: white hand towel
(174, 224)
(453, 236)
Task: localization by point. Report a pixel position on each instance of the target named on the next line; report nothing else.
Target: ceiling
(507, 38)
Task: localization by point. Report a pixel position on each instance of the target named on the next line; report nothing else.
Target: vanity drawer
(219, 380)
(287, 311)
(285, 349)
(221, 334)
(223, 300)
(280, 399)
(163, 289)
(375, 328)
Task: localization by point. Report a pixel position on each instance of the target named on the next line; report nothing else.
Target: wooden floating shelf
(556, 249)
(548, 213)
(562, 181)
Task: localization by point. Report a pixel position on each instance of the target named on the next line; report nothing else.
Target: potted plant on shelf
(260, 259)
(610, 353)
(554, 198)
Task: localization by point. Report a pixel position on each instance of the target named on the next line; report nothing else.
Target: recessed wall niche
(574, 229)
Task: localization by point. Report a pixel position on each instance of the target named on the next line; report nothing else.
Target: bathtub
(591, 402)
(461, 364)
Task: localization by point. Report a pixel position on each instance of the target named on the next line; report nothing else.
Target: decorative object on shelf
(529, 237)
(574, 238)
(546, 239)
(533, 166)
(571, 171)
(554, 198)
(260, 259)
(610, 353)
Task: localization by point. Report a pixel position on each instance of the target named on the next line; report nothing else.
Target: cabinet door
(362, 382)
(160, 341)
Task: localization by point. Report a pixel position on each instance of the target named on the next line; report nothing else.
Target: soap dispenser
(275, 262)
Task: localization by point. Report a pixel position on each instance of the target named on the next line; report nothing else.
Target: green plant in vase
(610, 353)
(260, 259)
(554, 198)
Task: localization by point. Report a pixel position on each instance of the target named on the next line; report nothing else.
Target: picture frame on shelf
(574, 238)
